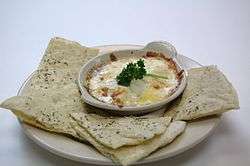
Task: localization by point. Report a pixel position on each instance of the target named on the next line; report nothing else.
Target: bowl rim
(89, 99)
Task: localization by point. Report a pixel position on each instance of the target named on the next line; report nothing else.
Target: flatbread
(115, 132)
(52, 93)
(127, 155)
(208, 92)
(63, 54)
(51, 111)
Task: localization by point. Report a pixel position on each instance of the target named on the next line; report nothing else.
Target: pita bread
(115, 132)
(52, 93)
(127, 155)
(208, 92)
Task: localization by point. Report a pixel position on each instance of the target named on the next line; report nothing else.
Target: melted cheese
(103, 85)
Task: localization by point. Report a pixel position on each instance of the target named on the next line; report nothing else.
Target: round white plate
(195, 132)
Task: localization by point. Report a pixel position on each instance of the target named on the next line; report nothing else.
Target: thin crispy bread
(127, 155)
(208, 92)
(115, 132)
(52, 93)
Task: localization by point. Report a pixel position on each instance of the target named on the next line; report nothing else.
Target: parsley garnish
(130, 72)
(134, 71)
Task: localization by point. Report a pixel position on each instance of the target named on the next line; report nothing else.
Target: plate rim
(83, 159)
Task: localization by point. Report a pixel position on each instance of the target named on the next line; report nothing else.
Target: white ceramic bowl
(159, 46)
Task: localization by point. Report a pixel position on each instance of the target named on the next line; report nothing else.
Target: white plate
(195, 132)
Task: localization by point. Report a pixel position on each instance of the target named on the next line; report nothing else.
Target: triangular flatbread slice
(208, 92)
(115, 132)
(128, 155)
(52, 93)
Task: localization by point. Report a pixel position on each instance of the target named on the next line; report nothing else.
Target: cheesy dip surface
(102, 83)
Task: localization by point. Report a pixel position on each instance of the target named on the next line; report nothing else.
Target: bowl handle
(163, 47)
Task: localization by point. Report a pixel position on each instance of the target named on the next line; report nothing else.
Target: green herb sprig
(134, 71)
(130, 72)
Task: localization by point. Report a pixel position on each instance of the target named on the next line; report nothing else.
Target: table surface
(210, 32)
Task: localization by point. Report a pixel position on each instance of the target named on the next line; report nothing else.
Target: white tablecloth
(211, 32)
